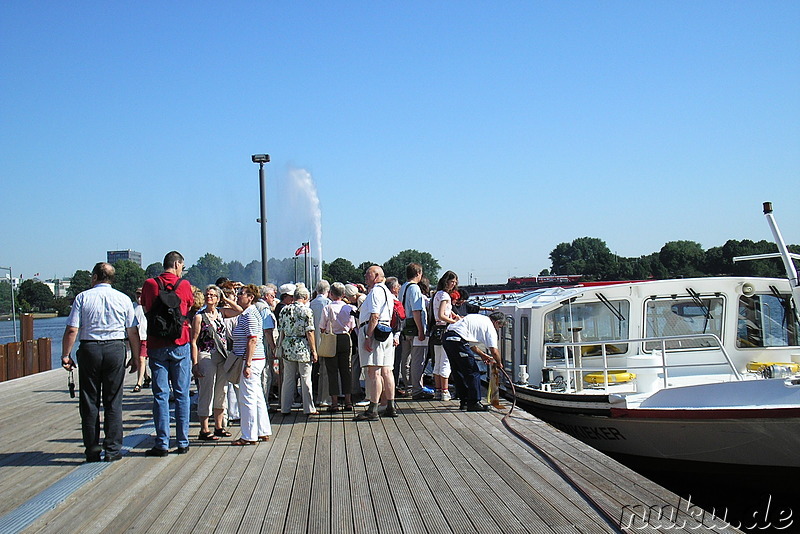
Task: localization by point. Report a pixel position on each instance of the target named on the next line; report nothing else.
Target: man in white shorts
(377, 357)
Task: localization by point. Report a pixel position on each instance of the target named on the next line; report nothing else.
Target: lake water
(52, 328)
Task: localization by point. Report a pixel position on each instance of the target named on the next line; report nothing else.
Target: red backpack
(398, 315)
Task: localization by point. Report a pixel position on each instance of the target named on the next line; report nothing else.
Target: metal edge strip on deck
(26, 513)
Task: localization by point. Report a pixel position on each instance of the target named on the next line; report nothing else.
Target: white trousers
(252, 406)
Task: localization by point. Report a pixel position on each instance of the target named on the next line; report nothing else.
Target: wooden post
(45, 346)
(3, 364)
(30, 357)
(14, 360)
(26, 325)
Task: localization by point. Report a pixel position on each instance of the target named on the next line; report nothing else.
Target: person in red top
(170, 360)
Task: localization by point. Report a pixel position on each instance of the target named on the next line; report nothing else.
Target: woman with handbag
(337, 321)
(296, 329)
(444, 316)
(209, 352)
(248, 344)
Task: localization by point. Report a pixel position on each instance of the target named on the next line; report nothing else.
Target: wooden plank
(433, 469)
(275, 516)
(253, 520)
(341, 504)
(416, 504)
(364, 520)
(319, 517)
(542, 510)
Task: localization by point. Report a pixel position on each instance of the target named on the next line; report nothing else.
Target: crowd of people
(246, 346)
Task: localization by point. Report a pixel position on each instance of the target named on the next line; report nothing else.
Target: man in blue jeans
(170, 359)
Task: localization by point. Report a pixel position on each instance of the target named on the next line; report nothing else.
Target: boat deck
(433, 469)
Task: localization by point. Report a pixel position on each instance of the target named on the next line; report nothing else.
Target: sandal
(241, 442)
(137, 388)
(332, 409)
(222, 433)
(208, 436)
(263, 438)
(348, 407)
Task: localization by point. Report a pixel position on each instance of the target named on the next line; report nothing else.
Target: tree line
(591, 258)
(586, 256)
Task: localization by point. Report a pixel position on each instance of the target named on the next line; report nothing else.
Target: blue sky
(482, 132)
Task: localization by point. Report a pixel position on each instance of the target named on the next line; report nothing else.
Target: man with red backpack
(166, 300)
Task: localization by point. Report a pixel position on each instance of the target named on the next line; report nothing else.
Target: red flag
(303, 249)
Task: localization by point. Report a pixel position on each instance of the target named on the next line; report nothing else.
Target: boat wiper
(607, 304)
(697, 300)
(791, 310)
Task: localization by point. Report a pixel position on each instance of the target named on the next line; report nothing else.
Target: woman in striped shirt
(248, 344)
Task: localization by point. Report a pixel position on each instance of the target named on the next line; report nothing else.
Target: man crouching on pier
(100, 316)
(377, 357)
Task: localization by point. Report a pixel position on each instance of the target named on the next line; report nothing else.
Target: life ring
(614, 377)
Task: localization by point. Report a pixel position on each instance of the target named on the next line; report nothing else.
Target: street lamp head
(260, 158)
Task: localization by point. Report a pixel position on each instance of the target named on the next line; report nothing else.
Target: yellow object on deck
(757, 367)
(614, 377)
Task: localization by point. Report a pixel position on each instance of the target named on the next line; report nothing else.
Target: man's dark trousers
(101, 373)
(466, 373)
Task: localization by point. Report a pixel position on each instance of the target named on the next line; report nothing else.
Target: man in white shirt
(377, 357)
(100, 318)
(462, 342)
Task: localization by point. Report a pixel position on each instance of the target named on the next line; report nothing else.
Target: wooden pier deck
(433, 469)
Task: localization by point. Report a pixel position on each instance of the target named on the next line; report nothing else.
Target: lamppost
(261, 159)
(13, 308)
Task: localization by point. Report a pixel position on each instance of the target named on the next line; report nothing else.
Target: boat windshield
(683, 316)
(766, 321)
(589, 321)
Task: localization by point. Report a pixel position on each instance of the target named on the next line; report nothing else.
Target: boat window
(588, 321)
(525, 328)
(507, 343)
(766, 321)
(683, 316)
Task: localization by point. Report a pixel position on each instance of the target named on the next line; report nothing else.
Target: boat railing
(571, 359)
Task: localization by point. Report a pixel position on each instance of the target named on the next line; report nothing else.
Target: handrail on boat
(579, 368)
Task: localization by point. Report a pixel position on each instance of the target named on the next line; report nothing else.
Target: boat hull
(758, 437)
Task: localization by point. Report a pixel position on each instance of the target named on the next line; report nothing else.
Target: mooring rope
(612, 521)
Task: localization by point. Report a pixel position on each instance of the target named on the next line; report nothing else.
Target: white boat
(701, 370)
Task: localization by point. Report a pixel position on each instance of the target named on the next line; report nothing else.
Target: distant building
(115, 255)
(58, 287)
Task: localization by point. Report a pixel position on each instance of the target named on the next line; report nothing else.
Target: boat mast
(783, 253)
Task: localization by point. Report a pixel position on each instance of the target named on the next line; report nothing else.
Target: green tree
(206, 271)
(80, 281)
(236, 271)
(682, 258)
(129, 277)
(396, 265)
(588, 256)
(33, 295)
(252, 273)
(5, 297)
(154, 269)
(62, 305)
(341, 270)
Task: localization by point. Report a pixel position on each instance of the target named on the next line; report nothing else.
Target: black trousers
(467, 374)
(101, 373)
(339, 369)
